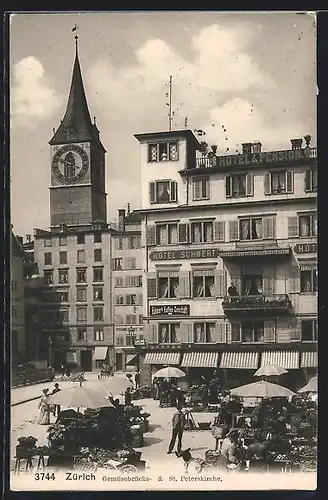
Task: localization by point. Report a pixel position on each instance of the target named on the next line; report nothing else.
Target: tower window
(163, 151)
(48, 242)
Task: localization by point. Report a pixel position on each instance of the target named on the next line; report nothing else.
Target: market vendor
(228, 448)
(257, 454)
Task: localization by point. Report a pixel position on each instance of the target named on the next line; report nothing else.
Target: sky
(239, 77)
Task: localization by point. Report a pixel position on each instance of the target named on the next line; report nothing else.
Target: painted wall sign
(164, 347)
(206, 253)
(266, 157)
(171, 310)
(305, 248)
(128, 329)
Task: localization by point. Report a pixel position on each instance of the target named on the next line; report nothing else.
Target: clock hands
(64, 161)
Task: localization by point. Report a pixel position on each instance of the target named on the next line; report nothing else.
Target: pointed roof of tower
(76, 125)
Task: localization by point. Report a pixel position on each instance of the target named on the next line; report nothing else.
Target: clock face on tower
(70, 164)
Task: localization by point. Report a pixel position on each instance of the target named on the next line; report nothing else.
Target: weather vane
(76, 35)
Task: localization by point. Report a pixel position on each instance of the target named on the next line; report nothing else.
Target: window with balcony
(98, 313)
(168, 286)
(48, 259)
(167, 234)
(48, 242)
(82, 334)
(81, 314)
(204, 333)
(97, 237)
(81, 275)
(311, 181)
(252, 331)
(62, 257)
(163, 151)
(309, 279)
(48, 277)
(168, 333)
(98, 293)
(201, 188)
(202, 231)
(63, 276)
(203, 284)
(309, 330)
(80, 239)
(98, 274)
(62, 241)
(280, 182)
(97, 255)
(252, 284)
(81, 294)
(163, 191)
(118, 264)
(98, 334)
(239, 185)
(308, 225)
(81, 256)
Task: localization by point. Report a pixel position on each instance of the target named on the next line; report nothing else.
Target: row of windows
(120, 264)
(244, 332)
(82, 334)
(236, 186)
(129, 319)
(244, 229)
(163, 151)
(81, 295)
(127, 242)
(128, 339)
(80, 257)
(81, 276)
(128, 281)
(81, 315)
(131, 299)
(80, 240)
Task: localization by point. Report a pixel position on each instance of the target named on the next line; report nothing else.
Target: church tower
(77, 191)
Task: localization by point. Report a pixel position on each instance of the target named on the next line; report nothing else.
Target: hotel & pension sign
(171, 310)
(206, 253)
(305, 248)
(266, 157)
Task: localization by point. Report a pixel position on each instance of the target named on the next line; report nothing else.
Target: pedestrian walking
(44, 417)
(178, 421)
(137, 379)
(57, 407)
(127, 397)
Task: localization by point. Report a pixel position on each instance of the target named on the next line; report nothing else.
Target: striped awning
(100, 353)
(162, 358)
(240, 360)
(309, 360)
(255, 253)
(200, 360)
(285, 359)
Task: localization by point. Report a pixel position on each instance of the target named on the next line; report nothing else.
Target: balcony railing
(262, 303)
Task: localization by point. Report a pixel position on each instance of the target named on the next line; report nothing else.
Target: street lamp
(49, 350)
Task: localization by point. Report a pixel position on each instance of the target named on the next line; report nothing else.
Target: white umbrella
(262, 389)
(169, 372)
(116, 385)
(311, 386)
(79, 397)
(269, 370)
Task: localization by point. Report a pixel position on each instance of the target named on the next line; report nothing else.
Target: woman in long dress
(44, 417)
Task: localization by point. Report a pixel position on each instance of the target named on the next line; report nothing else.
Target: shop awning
(240, 360)
(71, 357)
(100, 353)
(200, 360)
(309, 360)
(162, 358)
(285, 359)
(131, 359)
(255, 252)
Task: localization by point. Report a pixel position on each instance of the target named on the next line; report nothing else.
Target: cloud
(33, 98)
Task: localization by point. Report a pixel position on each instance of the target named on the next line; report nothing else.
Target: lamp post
(49, 350)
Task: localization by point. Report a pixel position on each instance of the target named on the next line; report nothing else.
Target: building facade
(17, 301)
(127, 258)
(211, 221)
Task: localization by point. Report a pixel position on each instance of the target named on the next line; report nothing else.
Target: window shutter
(269, 331)
(184, 284)
(228, 180)
(267, 183)
(294, 280)
(220, 332)
(293, 228)
(183, 233)
(151, 235)
(219, 230)
(186, 335)
(236, 332)
(197, 186)
(150, 333)
(152, 286)
(249, 185)
(113, 264)
(139, 299)
(289, 181)
(307, 180)
(220, 283)
(152, 192)
(233, 230)
(269, 227)
(173, 191)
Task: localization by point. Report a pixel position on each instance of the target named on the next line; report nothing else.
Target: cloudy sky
(253, 75)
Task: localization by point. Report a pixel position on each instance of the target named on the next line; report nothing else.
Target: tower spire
(74, 29)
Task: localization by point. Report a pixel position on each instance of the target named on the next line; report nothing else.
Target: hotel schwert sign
(305, 248)
(206, 253)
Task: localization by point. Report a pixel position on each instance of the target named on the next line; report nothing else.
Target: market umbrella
(262, 389)
(116, 385)
(169, 372)
(79, 397)
(311, 386)
(269, 370)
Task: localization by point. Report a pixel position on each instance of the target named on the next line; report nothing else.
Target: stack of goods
(303, 454)
(212, 457)
(91, 458)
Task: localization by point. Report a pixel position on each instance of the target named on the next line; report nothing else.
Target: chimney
(28, 238)
(247, 148)
(256, 147)
(121, 219)
(19, 239)
(296, 143)
(128, 209)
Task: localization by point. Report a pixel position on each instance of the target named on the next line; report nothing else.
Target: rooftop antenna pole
(76, 35)
(170, 105)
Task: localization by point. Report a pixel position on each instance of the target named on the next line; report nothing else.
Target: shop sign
(164, 347)
(206, 253)
(128, 329)
(170, 310)
(305, 248)
(139, 342)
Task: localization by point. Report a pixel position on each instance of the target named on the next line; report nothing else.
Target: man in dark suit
(178, 421)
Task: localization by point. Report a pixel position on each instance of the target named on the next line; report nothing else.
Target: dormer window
(163, 151)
